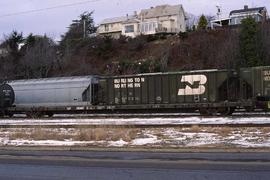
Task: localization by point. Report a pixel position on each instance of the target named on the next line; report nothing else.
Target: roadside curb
(131, 149)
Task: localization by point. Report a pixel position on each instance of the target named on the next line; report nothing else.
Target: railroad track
(136, 126)
(139, 121)
(154, 115)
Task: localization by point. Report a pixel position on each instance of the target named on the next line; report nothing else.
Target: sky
(58, 14)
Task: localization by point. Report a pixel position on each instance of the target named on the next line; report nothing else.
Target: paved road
(30, 165)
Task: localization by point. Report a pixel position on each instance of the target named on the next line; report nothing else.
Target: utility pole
(78, 23)
(84, 29)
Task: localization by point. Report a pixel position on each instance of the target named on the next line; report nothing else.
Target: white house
(159, 19)
(236, 16)
(259, 14)
(112, 26)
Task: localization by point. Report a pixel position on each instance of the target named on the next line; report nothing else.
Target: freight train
(211, 92)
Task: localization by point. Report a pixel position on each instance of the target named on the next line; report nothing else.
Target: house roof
(117, 19)
(259, 9)
(219, 20)
(158, 11)
(130, 21)
(163, 10)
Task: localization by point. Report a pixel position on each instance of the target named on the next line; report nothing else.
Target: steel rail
(158, 115)
(136, 126)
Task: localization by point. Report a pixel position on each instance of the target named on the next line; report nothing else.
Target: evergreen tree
(12, 44)
(80, 28)
(12, 41)
(250, 43)
(202, 22)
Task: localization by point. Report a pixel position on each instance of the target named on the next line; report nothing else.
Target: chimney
(135, 13)
(246, 7)
(127, 16)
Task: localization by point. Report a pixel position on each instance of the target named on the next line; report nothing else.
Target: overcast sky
(53, 22)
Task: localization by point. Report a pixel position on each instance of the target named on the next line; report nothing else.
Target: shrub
(137, 43)
(183, 35)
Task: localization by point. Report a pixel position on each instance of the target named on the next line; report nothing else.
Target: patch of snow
(199, 139)
(151, 139)
(192, 138)
(24, 142)
(246, 142)
(119, 143)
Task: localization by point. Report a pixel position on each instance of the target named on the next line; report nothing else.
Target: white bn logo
(191, 79)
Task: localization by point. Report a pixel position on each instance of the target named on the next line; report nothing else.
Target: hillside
(186, 51)
(40, 57)
(195, 50)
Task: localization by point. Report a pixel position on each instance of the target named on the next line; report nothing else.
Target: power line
(48, 8)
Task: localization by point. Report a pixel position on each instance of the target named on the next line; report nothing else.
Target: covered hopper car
(189, 91)
(51, 95)
(207, 91)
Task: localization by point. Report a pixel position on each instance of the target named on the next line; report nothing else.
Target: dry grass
(106, 134)
(125, 134)
(96, 134)
(224, 131)
(19, 135)
(195, 128)
(265, 130)
(83, 134)
(39, 134)
(44, 134)
(2, 130)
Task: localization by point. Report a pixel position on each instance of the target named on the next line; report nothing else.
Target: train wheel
(29, 115)
(1, 114)
(50, 114)
(203, 111)
(34, 114)
(9, 114)
(227, 111)
(208, 111)
(249, 109)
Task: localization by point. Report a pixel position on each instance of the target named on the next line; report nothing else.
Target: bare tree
(39, 59)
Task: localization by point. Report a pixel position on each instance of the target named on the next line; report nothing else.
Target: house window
(106, 27)
(129, 29)
(155, 26)
(148, 27)
(236, 20)
(258, 18)
(151, 27)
